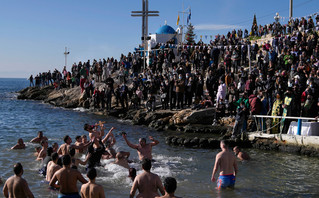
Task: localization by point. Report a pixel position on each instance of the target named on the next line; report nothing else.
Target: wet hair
(91, 173)
(59, 162)
(170, 184)
(77, 137)
(66, 160)
(17, 168)
(54, 156)
(71, 151)
(65, 138)
(146, 164)
(49, 151)
(40, 132)
(132, 173)
(225, 142)
(86, 126)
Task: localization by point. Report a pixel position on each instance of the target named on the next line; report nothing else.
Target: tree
(189, 37)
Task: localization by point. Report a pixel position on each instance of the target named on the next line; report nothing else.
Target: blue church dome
(165, 29)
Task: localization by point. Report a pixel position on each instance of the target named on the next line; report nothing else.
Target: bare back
(51, 169)
(17, 187)
(67, 178)
(64, 149)
(92, 190)
(226, 162)
(148, 184)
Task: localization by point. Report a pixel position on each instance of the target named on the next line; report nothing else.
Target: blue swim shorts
(226, 181)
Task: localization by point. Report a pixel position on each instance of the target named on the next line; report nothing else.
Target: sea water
(268, 174)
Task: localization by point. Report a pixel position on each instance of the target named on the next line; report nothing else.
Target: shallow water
(269, 174)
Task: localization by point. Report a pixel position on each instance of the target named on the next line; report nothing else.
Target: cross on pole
(145, 13)
(66, 53)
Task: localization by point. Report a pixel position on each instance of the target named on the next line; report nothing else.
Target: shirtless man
(55, 147)
(143, 150)
(170, 186)
(43, 152)
(52, 166)
(64, 148)
(78, 142)
(121, 159)
(91, 189)
(227, 163)
(20, 144)
(67, 178)
(93, 130)
(16, 186)
(39, 138)
(240, 154)
(147, 183)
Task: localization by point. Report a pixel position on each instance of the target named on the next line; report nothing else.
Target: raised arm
(154, 142)
(134, 146)
(108, 135)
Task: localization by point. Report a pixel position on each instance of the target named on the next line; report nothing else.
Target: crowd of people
(60, 166)
(283, 78)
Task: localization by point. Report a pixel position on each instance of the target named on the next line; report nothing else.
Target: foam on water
(80, 109)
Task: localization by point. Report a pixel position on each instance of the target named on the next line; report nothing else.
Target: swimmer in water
(52, 166)
(20, 144)
(121, 159)
(170, 186)
(144, 150)
(16, 186)
(39, 138)
(91, 189)
(227, 163)
(240, 154)
(43, 152)
(147, 183)
(67, 178)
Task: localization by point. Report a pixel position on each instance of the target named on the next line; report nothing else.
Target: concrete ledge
(296, 140)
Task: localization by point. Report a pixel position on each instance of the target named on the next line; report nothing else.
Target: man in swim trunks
(16, 186)
(91, 189)
(240, 154)
(67, 178)
(227, 163)
(39, 138)
(143, 150)
(20, 144)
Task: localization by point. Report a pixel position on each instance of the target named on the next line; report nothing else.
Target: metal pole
(143, 31)
(146, 32)
(290, 9)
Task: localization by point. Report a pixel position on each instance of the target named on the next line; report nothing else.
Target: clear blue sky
(34, 33)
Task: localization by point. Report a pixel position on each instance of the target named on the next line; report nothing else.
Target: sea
(268, 174)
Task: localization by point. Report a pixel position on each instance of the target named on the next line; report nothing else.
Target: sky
(34, 33)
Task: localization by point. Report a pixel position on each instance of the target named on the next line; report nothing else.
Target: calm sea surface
(269, 174)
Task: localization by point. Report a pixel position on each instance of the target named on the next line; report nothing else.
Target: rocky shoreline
(187, 128)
